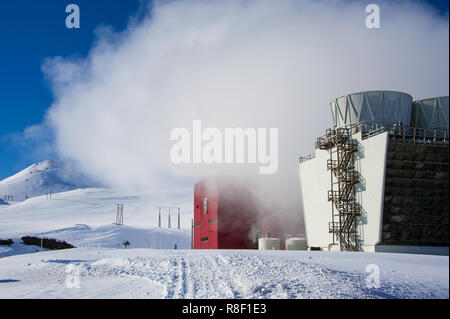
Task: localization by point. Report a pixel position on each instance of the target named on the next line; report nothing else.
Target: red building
(225, 215)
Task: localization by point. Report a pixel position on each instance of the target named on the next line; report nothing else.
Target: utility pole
(119, 214)
(169, 209)
(49, 192)
(168, 224)
(159, 217)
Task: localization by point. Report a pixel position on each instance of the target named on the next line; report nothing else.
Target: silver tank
(430, 113)
(269, 244)
(376, 108)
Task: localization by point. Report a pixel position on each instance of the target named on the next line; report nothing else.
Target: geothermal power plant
(377, 182)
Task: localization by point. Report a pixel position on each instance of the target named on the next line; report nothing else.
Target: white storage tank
(430, 113)
(378, 108)
(296, 243)
(269, 244)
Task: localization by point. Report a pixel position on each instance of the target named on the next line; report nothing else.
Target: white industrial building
(378, 180)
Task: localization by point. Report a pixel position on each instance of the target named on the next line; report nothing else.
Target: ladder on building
(344, 178)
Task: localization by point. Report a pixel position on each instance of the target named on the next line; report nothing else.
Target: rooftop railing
(307, 158)
(397, 133)
(408, 134)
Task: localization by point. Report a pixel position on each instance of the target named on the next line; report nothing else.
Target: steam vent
(378, 180)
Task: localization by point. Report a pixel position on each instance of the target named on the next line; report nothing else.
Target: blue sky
(31, 31)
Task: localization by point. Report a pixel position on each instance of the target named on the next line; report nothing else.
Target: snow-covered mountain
(41, 178)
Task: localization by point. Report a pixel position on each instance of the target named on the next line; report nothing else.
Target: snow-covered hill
(42, 178)
(85, 217)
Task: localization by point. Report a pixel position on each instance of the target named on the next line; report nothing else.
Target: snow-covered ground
(85, 217)
(151, 268)
(151, 273)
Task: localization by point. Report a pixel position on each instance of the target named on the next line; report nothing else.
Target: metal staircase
(344, 178)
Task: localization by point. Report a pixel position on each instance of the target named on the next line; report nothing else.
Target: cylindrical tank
(279, 226)
(296, 243)
(269, 244)
(377, 108)
(430, 113)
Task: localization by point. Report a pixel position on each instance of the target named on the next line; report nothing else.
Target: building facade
(225, 215)
(377, 181)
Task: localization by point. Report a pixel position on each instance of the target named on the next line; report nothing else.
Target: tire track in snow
(181, 279)
(204, 279)
(178, 286)
(188, 278)
(210, 280)
(235, 279)
(171, 285)
(223, 278)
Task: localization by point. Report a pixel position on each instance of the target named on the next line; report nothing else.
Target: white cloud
(235, 63)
